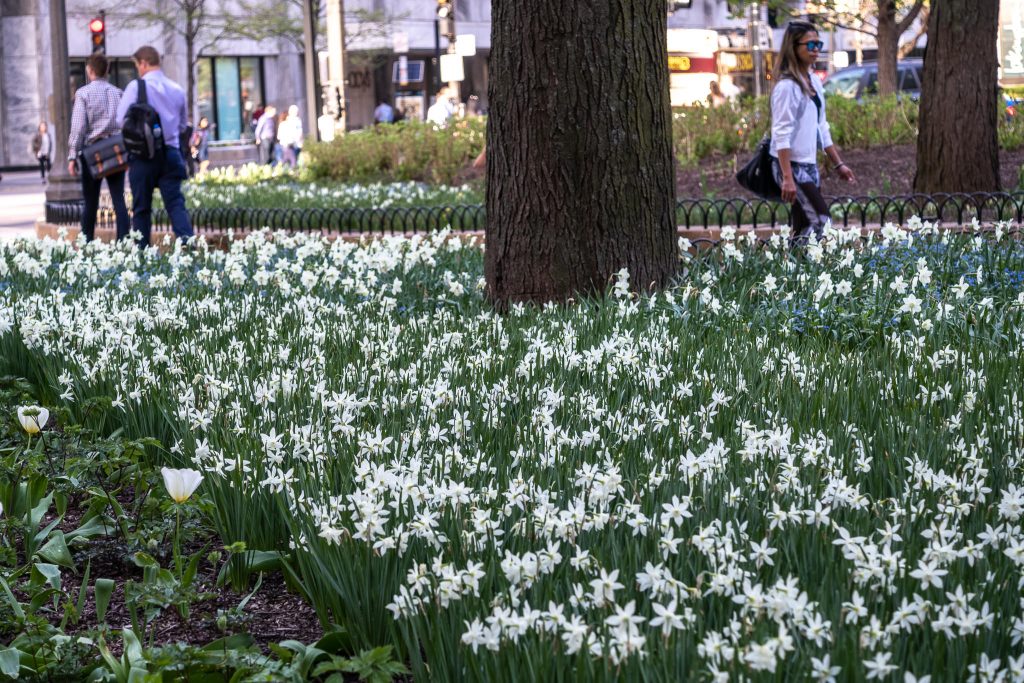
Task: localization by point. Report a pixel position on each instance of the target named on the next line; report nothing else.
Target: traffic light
(446, 19)
(98, 32)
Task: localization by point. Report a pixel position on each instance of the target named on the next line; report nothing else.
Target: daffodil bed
(200, 194)
(790, 464)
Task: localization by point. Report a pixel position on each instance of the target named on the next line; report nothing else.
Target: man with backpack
(152, 115)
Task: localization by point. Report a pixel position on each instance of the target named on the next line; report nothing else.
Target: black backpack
(142, 132)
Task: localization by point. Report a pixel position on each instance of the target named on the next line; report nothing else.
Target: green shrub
(872, 122)
(1011, 131)
(699, 132)
(405, 151)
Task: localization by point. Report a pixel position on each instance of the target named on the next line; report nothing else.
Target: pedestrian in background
(200, 144)
(278, 147)
(289, 135)
(715, 97)
(184, 139)
(800, 129)
(442, 109)
(266, 135)
(167, 170)
(384, 113)
(42, 149)
(93, 118)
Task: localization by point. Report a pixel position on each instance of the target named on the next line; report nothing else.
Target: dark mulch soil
(880, 171)
(273, 614)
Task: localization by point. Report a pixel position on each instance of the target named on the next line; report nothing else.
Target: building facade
(234, 78)
(393, 51)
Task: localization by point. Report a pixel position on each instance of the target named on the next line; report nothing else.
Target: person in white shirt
(800, 129)
(42, 149)
(289, 136)
(442, 109)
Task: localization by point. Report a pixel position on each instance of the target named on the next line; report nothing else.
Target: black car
(855, 82)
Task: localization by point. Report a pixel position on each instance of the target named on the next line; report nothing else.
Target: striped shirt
(93, 116)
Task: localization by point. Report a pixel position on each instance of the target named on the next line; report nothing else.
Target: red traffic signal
(98, 29)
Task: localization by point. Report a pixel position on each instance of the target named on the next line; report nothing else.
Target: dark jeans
(91, 193)
(44, 166)
(810, 213)
(166, 173)
(267, 152)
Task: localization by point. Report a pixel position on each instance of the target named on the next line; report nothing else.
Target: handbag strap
(142, 98)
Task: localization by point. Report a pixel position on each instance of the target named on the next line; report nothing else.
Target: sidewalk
(22, 197)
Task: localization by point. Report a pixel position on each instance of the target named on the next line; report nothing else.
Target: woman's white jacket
(791, 129)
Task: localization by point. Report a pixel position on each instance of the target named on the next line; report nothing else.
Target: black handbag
(106, 156)
(757, 176)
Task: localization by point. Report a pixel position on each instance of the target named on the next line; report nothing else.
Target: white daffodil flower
(181, 484)
(33, 418)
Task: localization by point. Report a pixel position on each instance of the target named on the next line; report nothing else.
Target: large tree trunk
(580, 179)
(958, 145)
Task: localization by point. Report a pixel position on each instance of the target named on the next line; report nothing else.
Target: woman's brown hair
(787, 64)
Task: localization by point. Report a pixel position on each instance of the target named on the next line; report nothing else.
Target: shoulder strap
(142, 99)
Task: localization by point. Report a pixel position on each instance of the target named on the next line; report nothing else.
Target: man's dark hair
(147, 54)
(99, 64)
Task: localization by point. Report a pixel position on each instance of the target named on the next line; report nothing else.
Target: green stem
(177, 540)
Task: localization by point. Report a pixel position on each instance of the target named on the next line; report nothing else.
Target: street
(22, 196)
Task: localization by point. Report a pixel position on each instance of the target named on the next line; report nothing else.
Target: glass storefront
(229, 91)
(122, 72)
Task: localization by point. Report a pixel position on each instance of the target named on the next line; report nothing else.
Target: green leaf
(334, 665)
(190, 570)
(145, 561)
(56, 551)
(43, 572)
(113, 664)
(12, 602)
(337, 642)
(103, 591)
(239, 641)
(36, 514)
(132, 646)
(95, 527)
(247, 598)
(44, 532)
(10, 662)
(83, 591)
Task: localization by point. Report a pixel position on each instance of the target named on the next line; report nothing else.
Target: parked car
(854, 82)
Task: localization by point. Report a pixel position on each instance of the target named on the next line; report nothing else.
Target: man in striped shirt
(92, 119)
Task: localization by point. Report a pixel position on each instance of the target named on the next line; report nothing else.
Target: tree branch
(906, 21)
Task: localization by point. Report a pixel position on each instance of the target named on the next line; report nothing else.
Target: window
(907, 78)
(871, 87)
(414, 72)
(122, 72)
(229, 92)
(844, 84)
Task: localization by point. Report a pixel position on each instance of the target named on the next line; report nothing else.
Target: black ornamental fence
(946, 209)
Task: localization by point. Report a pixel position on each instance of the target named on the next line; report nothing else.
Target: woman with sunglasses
(800, 129)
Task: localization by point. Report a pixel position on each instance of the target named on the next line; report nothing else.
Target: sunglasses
(813, 45)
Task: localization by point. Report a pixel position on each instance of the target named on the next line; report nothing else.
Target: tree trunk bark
(580, 177)
(190, 59)
(958, 144)
(888, 39)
